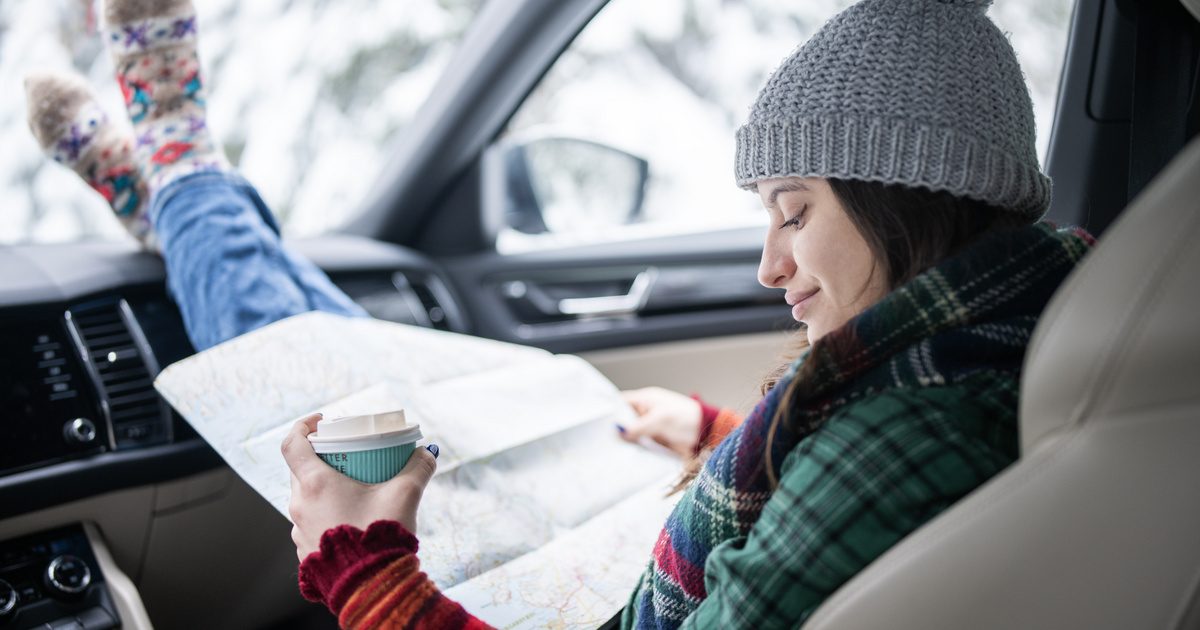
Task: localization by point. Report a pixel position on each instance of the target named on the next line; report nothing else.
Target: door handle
(628, 304)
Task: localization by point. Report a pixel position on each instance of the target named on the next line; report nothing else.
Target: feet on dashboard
(153, 46)
(73, 129)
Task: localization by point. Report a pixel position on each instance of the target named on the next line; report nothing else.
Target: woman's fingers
(639, 427)
(401, 495)
(630, 432)
(297, 451)
(420, 468)
(636, 398)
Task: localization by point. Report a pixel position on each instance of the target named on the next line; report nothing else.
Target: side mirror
(569, 185)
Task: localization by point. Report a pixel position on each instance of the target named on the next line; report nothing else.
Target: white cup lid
(366, 431)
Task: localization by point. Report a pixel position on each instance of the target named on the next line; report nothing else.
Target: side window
(630, 134)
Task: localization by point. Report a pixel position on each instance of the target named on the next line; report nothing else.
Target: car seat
(1098, 524)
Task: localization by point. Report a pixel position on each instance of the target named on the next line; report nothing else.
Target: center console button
(68, 575)
(79, 431)
(8, 599)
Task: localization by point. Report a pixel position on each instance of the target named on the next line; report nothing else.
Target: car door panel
(727, 371)
(621, 294)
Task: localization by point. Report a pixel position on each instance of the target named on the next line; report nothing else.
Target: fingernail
(620, 428)
(433, 448)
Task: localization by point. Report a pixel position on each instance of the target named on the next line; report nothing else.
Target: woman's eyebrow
(788, 187)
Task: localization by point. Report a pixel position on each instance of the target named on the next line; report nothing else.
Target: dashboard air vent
(123, 368)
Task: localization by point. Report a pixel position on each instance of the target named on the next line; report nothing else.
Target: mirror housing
(568, 185)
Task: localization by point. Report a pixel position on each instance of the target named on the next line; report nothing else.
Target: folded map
(538, 516)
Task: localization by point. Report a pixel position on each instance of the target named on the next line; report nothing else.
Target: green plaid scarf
(893, 417)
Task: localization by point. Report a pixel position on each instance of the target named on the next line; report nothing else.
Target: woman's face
(814, 252)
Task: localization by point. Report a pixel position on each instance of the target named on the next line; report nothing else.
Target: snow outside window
(306, 96)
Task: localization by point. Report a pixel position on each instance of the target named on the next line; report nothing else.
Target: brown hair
(908, 231)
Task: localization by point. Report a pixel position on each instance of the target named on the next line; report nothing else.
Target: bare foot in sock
(153, 45)
(73, 129)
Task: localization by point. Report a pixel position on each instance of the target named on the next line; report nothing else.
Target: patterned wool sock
(153, 45)
(73, 129)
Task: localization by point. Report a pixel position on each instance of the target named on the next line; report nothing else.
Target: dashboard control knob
(79, 431)
(8, 599)
(68, 575)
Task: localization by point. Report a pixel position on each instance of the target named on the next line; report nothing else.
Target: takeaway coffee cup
(370, 448)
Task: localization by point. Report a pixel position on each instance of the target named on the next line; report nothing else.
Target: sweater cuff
(726, 421)
(348, 556)
(715, 424)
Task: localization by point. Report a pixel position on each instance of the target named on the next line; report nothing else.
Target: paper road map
(539, 516)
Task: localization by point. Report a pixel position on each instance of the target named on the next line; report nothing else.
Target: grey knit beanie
(914, 92)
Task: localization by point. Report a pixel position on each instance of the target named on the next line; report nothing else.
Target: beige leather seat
(1098, 524)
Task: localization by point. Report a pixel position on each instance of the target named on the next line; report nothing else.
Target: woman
(894, 155)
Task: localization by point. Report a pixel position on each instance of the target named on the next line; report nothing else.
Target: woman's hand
(667, 417)
(323, 498)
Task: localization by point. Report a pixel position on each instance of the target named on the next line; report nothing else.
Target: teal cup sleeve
(371, 466)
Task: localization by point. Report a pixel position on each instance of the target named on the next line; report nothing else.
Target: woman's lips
(801, 305)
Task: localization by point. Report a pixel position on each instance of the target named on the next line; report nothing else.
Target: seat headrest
(1123, 332)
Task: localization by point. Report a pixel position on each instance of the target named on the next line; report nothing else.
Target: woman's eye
(795, 221)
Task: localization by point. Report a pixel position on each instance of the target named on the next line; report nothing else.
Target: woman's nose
(774, 269)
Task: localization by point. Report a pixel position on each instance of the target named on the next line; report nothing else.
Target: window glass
(305, 95)
(670, 81)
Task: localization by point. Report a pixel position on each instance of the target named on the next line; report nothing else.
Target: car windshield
(307, 97)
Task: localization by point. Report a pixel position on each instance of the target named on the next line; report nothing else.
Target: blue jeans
(226, 266)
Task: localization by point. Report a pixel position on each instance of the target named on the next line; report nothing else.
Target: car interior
(115, 513)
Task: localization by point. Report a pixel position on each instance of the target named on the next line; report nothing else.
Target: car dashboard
(84, 330)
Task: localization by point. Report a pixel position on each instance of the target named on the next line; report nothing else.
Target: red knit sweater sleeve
(373, 579)
(715, 423)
